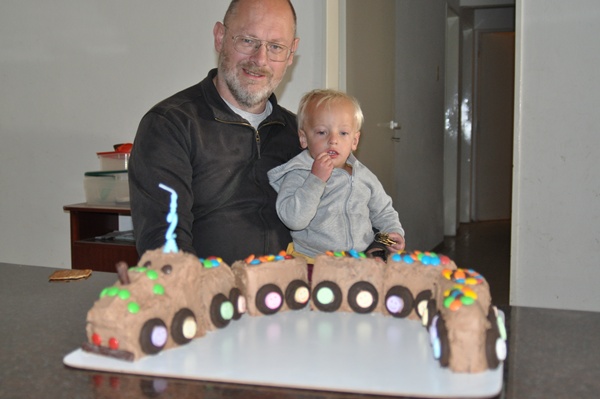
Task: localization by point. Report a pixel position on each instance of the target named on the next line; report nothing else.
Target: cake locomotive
(272, 283)
(170, 299)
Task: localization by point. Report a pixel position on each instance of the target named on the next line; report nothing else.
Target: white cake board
(345, 352)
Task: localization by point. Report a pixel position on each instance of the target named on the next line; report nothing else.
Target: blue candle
(172, 218)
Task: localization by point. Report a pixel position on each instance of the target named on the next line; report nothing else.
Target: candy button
(124, 294)
(152, 274)
(158, 289)
(273, 300)
(325, 296)
(227, 310)
(396, 257)
(455, 305)
(96, 340)
(501, 328)
(467, 300)
(394, 304)
(249, 259)
(112, 291)
(133, 307)
(364, 299)
(255, 262)
(353, 253)
(159, 336)
(437, 348)
(113, 343)
(302, 295)
(448, 301)
(447, 273)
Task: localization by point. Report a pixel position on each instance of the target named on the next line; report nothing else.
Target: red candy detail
(96, 340)
(113, 343)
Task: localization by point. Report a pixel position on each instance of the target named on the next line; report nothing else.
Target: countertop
(551, 353)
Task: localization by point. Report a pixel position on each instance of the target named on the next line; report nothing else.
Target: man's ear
(219, 34)
(293, 49)
(303, 140)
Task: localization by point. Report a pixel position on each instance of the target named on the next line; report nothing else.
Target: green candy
(227, 310)
(152, 274)
(124, 294)
(158, 289)
(133, 307)
(466, 300)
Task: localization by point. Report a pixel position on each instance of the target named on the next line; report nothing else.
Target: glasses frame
(266, 43)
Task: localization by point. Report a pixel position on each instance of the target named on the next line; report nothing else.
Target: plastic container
(106, 187)
(114, 160)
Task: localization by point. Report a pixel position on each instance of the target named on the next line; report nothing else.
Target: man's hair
(231, 10)
(327, 97)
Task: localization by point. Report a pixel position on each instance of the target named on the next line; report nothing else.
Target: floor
(484, 247)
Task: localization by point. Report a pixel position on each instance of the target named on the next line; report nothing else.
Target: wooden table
(91, 221)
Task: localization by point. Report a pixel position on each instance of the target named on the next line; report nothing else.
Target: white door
(395, 64)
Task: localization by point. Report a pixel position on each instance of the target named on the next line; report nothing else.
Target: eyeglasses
(250, 46)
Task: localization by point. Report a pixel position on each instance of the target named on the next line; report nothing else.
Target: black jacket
(217, 164)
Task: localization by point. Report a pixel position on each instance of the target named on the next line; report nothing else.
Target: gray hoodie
(336, 215)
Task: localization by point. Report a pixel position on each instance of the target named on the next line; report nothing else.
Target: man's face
(248, 80)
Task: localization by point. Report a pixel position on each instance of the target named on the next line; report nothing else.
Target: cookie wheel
(363, 297)
(495, 348)
(428, 312)
(221, 310)
(153, 336)
(421, 302)
(184, 326)
(438, 335)
(269, 299)
(327, 296)
(297, 294)
(399, 301)
(239, 303)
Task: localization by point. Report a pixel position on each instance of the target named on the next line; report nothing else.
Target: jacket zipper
(256, 133)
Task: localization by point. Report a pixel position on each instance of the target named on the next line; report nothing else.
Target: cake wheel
(269, 299)
(495, 348)
(327, 296)
(297, 294)
(363, 297)
(221, 310)
(184, 326)
(444, 342)
(153, 336)
(421, 302)
(239, 303)
(428, 313)
(399, 301)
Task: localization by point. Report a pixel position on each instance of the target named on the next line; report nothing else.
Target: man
(214, 142)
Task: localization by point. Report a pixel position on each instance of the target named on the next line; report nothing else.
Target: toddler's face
(330, 128)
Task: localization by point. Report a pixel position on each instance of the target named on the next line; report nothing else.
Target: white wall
(556, 196)
(76, 78)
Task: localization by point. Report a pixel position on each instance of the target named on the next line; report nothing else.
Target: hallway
(484, 247)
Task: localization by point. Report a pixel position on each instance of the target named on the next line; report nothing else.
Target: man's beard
(241, 93)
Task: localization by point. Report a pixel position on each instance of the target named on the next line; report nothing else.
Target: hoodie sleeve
(299, 195)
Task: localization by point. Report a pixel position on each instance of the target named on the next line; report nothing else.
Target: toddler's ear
(302, 137)
(355, 141)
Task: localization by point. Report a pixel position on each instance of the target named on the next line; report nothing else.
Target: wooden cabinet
(87, 251)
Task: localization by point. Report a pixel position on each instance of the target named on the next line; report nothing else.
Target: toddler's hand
(399, 245)
(322, 166)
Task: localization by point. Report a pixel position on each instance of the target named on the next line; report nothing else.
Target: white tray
(344, 352)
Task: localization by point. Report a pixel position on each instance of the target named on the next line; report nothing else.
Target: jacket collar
(221, 110)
